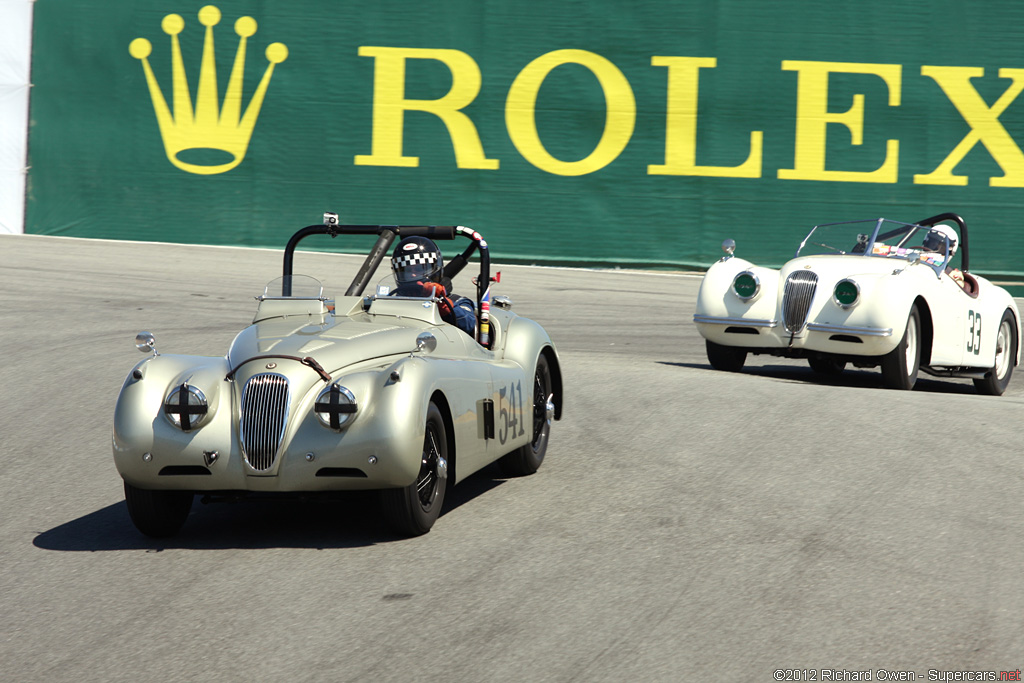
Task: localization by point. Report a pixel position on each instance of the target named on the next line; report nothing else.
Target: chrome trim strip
(844, 329)
(739, 322)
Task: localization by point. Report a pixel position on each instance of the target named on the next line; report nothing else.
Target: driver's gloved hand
(435, 289)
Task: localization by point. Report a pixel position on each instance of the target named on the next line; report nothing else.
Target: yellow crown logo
(206, 127)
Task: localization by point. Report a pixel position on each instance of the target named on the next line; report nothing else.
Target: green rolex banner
(599, 132)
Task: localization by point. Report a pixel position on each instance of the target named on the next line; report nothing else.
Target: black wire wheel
(157, 514)
(412, 510)
(527, 459)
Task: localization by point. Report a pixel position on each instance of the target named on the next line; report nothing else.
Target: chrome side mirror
(426, 342)
(503, 302)
(913, 257)
(728, 246)
(146, 342)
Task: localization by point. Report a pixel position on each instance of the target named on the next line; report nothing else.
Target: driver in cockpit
(935, 240)
(419, 268)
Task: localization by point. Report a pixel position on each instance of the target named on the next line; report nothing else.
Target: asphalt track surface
(687, 525)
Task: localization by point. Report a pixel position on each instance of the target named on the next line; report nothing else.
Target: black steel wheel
(412, 510)
(158, 514)
(527, 459)
(996, 381)
(900, 366)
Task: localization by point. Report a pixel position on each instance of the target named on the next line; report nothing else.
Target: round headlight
(335, 407)
(746, 285)
(185, 407)
(846, 293)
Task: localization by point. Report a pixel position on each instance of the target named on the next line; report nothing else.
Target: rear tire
(527, 459)
(157, 514)
(995, 383)
(412, 510)
(725, 358)
(900, 366)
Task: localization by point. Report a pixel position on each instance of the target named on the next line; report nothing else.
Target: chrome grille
(796, 299)
(263, 417)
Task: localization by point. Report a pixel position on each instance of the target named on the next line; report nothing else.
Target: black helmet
(416, 259)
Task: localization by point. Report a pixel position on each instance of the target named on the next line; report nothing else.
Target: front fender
(716, 298)
(140, 425)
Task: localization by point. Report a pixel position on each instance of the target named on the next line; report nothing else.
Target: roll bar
(929, 222)
(386, 235)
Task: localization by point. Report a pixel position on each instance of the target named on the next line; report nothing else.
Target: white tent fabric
(15, 62)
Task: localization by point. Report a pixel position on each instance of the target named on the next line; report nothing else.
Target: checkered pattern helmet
(934, 241)
(416, 259)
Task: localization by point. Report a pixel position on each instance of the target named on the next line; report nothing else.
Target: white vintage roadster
(868, 293)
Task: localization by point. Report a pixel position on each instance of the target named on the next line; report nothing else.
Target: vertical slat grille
(796, 299)
(263, 418)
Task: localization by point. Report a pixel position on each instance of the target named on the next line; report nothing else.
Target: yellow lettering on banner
(955, 81)
(812, 118)
(390, 105)
(521, 117)
(681, 125)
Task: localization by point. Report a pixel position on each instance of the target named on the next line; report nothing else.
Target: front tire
(412, 511)
(157, 514)
(996, 381)
(900, 366)
(725, 358)
(527, 459)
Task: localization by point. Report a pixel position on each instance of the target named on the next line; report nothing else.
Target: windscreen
(878, 238)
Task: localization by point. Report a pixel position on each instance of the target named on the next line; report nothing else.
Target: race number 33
(973, 332)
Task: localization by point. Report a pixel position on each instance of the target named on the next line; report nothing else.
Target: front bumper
(847, 340)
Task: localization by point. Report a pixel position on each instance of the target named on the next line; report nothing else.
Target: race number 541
(511, 417)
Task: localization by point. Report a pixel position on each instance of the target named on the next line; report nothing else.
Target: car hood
(838, 267)
(334, 343)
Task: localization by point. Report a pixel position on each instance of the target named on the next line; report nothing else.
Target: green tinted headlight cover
(846, 293)
(746, 285)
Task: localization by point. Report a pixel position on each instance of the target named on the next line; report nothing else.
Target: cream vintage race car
(868, 293)
(359, 392)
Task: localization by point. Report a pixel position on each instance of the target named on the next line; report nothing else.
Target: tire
(996, 381)
(725, 358)
(412, 510)
(900, 366)
(826, 366)
(157, 514)
(527, 459)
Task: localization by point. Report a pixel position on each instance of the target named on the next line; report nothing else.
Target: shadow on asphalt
(850, 377)
(349, 520)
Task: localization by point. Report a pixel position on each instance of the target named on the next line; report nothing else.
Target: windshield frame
(881, 232)
(287, 285)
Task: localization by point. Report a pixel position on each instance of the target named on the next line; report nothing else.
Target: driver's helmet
(934, 241)
(416, 259)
